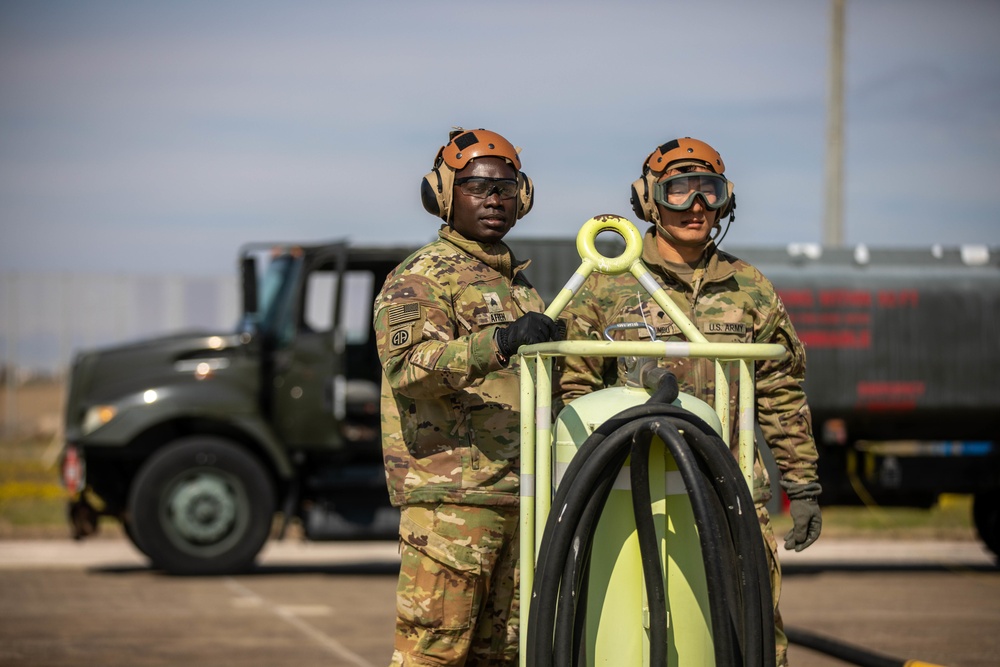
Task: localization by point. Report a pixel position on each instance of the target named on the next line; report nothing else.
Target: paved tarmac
(105, 553)
(97, 602)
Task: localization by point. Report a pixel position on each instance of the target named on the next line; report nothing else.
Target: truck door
(309, 360)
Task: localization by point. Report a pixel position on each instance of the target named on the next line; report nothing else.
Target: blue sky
(141, 136)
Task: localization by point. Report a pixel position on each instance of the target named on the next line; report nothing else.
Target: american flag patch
(404, 312)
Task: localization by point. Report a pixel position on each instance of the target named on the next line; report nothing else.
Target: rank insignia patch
(493, 302)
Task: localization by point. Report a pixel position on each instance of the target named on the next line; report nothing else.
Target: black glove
(528, 329)
(806, 523)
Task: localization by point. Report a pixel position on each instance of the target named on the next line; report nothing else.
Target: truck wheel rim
(204, 512)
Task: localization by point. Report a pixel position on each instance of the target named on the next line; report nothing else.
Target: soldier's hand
(806, 523)
(528, 329)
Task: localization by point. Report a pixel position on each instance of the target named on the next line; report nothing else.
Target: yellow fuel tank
(617, 611)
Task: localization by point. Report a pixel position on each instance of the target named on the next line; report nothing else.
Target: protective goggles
(481, 188)
(678, 192)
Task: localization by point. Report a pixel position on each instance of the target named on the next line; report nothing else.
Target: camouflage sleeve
(782, 410)
(420, 346)
(577, 376)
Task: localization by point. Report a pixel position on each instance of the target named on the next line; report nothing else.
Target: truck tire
(130, 534)
(986, 516)
(202, 505)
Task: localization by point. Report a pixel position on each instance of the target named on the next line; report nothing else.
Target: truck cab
(202, 444)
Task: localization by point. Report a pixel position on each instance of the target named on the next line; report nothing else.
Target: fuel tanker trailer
(903, 370)
(639, 541)
(903, 373)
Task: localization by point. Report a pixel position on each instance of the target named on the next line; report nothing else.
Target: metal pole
(746, 417)
(527, 495)
(10, 366)
(543, 444)
(833, 222)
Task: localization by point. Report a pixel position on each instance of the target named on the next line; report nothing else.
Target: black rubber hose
(721, 580)
(663, 383)
(571, 499)
(587, 450)
(649, 551)
(727, 479)
(543, 612)
(758, 604)
(573, 582)
(592, 455)
(566, 513)
(709, 535)
(852, 654)
(573, 495)
(731, 569)
(597, 462)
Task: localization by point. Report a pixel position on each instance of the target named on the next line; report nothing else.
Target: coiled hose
(737, 576)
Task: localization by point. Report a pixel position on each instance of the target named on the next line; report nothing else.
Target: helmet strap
(662, 231)
(717, 238)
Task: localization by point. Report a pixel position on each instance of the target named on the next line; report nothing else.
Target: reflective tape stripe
(649, 283)
(677, 349)
(527, 485)
(575, 282)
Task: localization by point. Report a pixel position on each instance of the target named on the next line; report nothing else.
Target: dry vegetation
(32, 409)
(33, 502)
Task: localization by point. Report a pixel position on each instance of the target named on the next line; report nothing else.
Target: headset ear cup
(730, 208)
(525, 194)
(429, 193)
(436, 191)
(642, 206)
(636, 205)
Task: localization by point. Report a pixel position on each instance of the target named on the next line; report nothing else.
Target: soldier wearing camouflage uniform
(684, 193)
(447, 321)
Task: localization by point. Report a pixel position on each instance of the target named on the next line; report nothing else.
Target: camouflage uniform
(730, 301)
(450, 441)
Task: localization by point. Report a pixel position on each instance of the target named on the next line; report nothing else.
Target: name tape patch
(738, 328)
(484, 319)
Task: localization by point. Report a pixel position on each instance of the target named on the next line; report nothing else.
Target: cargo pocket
(439, 580)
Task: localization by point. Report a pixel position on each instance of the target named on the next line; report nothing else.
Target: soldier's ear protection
(437, 187)
(676, 153)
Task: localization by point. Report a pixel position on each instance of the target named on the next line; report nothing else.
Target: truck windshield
(276, 288)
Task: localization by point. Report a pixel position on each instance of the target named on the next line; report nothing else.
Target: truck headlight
(96, 417)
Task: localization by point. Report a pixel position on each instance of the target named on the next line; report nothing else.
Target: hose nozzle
(661, 381)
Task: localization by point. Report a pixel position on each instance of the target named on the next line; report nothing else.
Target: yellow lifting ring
(587, 237)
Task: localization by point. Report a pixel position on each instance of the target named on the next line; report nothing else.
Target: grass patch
(949, 519)
(33, 502)
(31, 494)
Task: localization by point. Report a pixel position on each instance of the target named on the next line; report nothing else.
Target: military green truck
(198, 442)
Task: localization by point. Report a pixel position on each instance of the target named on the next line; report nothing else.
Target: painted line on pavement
(327, 642)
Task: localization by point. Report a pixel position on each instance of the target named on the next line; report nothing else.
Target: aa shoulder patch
(400, 337)
(403, 321)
